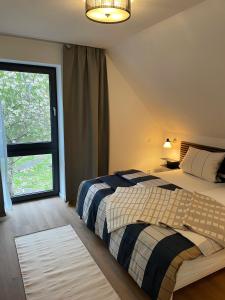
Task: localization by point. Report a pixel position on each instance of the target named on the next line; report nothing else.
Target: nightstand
(170, 163)
(162, 168)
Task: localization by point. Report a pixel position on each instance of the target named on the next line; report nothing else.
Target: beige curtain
(86, 116)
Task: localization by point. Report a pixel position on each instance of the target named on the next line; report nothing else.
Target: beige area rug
(55, 265)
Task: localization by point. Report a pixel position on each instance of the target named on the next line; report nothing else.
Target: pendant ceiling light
(108, 11)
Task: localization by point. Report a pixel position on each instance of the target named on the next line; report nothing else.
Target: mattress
(193, 270)
(196, 269)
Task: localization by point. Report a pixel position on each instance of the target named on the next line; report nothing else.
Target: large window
(28, 95)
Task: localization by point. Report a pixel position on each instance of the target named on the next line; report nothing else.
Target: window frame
(25, 149)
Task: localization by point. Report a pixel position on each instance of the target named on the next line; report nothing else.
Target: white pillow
(203, 164)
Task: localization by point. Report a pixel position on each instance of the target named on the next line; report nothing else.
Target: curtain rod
(43, 40)
(30, 38)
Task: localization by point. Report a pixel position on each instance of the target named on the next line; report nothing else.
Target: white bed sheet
(193, 184)
(191, 271)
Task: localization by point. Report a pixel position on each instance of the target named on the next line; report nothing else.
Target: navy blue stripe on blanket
(127, 172)
(93, 209)
(128, 242)
(143, 178)
(115, 181)
(162, 256)
(106, 236)
(83, 193)
(170, 186)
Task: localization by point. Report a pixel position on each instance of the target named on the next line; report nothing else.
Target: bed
(196, 269)
(92, 198)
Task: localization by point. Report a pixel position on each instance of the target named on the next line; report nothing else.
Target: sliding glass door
(29, 99)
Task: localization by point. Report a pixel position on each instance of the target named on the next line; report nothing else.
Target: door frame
(52, 147)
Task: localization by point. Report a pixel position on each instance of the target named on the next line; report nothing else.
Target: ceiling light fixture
(108, 11)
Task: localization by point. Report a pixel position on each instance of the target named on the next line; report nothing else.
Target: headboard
(185, 145)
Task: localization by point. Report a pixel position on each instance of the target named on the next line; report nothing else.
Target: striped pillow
(203, 164)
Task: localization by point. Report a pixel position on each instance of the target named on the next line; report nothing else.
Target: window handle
(54, 111)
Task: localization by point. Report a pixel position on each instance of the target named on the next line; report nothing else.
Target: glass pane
(26, 105)
(30, 174)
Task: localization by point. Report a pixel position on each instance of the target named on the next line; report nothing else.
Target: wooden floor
(44, 214)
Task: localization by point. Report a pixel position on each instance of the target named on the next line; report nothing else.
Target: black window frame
(39, 148)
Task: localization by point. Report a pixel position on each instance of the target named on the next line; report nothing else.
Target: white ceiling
(64, 20)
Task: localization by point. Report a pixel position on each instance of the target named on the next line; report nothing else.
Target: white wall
(177, 68)
(135, 138)
(31, 51)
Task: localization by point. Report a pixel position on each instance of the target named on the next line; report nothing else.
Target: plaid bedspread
(151, 254)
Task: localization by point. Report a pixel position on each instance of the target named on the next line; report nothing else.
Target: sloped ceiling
(65, 21)
(177, 68)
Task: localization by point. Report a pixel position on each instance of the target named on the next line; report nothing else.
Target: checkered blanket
(151, 254)
(147, 205)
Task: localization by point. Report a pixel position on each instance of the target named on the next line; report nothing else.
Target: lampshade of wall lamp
(167, 144)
